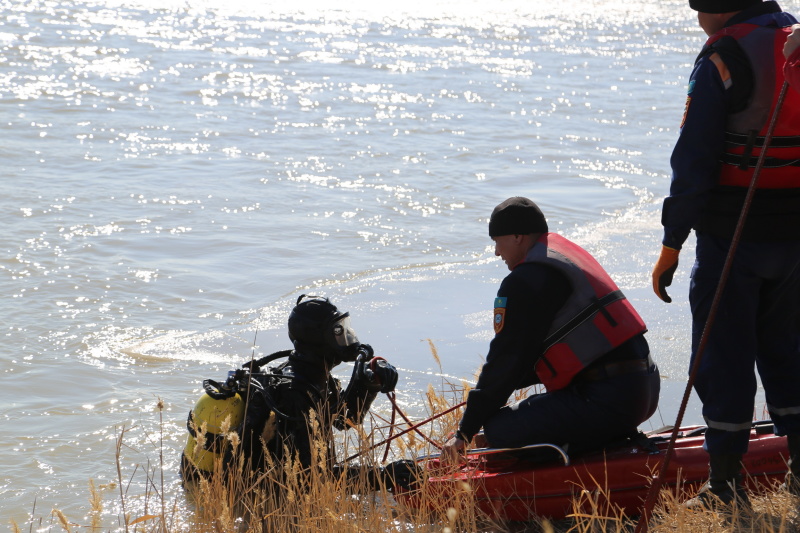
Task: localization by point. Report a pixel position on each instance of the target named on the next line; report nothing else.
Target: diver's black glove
(376, 374)
(403, 474)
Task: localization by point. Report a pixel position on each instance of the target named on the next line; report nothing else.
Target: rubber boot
(724, 486)
(792, 482)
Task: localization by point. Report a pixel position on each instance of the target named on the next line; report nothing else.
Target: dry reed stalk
(162, 496)
(62, 520)
(435, 354)
(122, 499)
(96, 503)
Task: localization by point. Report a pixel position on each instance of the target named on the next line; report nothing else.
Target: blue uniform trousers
(757, 326)
(584, 414)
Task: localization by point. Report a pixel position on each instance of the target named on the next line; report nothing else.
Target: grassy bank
(286, 497)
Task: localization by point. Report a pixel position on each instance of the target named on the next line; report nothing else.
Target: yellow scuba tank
(221, 402)
(215, 406)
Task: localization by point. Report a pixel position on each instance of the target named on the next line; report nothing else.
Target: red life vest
(595, 319)
(746, 129)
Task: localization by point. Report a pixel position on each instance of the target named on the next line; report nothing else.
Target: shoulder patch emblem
(499, 314)
(685, 111)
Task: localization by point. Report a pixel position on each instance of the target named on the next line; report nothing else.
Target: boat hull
(512, 487)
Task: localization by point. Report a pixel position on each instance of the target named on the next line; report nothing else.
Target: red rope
(407, 430)
(424, 436)
(392, 398)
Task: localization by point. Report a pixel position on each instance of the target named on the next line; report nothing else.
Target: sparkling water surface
(175, 174)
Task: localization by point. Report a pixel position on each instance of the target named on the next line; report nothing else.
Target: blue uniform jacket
(695, 158)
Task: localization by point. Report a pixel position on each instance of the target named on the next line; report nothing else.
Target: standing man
(561, 321)
(732, 93)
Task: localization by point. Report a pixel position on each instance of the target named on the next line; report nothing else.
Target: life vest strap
(741, 139)
(769, 162)
(589, 311)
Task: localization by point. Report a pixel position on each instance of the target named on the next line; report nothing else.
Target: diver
(276, 410)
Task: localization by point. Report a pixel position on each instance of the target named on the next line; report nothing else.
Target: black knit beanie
(516, 216)
(721, 6)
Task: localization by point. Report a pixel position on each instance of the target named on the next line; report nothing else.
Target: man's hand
(376, 375)
(664, 270)
(792, 42)
(453, 451)
(384, 373)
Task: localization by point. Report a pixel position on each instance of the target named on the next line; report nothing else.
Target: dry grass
(286, 497)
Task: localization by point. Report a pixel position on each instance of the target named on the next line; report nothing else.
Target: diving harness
(227, 408)
(249, 405)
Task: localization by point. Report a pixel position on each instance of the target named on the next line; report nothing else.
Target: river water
(176, 173)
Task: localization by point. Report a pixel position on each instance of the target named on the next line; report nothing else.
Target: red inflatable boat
(545, 481)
